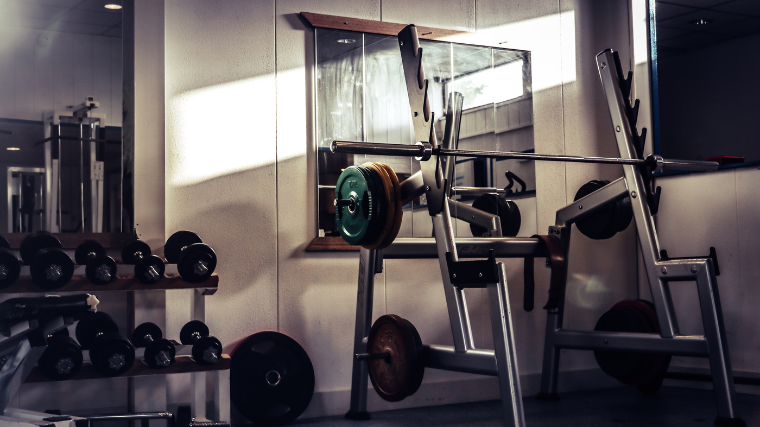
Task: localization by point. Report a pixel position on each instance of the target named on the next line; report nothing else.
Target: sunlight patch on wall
(220, 129)
(551, 40)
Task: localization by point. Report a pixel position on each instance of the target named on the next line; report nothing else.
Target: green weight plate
(353, 222)
(379, 206)
(177, 241)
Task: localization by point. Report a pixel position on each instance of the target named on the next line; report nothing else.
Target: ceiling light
(113, 6)
(13, 149)
(346, 41)
(701, 22)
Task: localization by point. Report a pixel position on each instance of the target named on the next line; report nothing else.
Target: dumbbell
(195, 260)
(62, 358)
(10, 266)
(101, 268)
(50, 266)
(206, 349)
(149, 268)
(159, 352)
(110, 353)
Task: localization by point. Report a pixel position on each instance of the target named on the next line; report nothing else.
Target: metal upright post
(370, 262)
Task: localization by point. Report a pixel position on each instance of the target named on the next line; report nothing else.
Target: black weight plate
(598, 225)
(142, 330)
(190, 328)
(63, 332)
(420, 368)
(271, 379)
(191, 255)
(112, 355)
(395, 378)
(511, 222)
(82, 251)
(10, 268)
(4, 243)
(623, 214)
(93, 270)
(626, 367)
(61, 360)
(141, 269)
(207, 351)
(93, 325)
(152, 351)
(177, 241)
(128, 252)
(47, 258)
(35, 242)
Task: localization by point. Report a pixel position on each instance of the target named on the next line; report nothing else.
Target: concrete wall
(240, 170)
(708, 101)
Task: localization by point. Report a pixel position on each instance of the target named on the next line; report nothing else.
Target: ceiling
(676, 31)
(69, 16)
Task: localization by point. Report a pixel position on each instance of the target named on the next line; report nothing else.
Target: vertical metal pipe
(364, 300)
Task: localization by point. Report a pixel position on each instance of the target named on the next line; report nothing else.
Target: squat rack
(432, 181)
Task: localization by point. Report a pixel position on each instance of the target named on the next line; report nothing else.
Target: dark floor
(672, 407)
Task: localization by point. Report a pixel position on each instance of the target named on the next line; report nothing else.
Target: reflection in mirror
(60, 116)
(362, 96)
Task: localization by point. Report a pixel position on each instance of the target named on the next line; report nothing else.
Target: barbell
(423, 151)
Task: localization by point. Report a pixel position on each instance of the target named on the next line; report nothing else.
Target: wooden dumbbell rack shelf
(123, 282)
(181, 365)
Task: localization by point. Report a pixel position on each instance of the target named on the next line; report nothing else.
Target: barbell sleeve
(662, 165)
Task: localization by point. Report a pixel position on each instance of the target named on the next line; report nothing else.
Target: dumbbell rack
(127, 282)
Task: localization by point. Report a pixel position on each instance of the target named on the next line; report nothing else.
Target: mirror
(61, 91)
(361, 96)
(705, 82)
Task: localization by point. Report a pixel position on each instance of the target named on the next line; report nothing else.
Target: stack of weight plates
(372, 219)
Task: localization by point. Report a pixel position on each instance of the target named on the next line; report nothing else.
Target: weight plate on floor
(10, 268)
(398, 376)
(271, 379)
(599, 225)
(388, 202)
(35, 242)
(83, 250)
(642, 370)
(398, 211)
(51, 268)
(128, 252)
(420, 368)
(354, 221)
(177, 241)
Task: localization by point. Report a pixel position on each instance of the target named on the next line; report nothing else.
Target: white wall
(43, 70)
(708, 101)
(240, 170)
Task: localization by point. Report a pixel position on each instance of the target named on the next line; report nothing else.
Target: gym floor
(672, 407)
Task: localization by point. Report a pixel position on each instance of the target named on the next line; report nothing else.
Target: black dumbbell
(159, 352)
(149, 268)
(110, 353)
(62, 358)
(50, 266)
(195, 260)
(101, 268)
(10, 266)
(206, 349)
